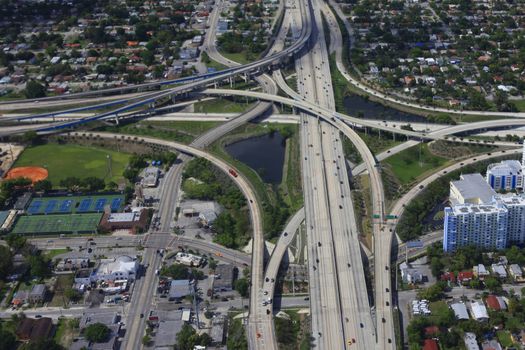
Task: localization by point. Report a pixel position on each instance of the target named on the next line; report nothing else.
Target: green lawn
(64, 161)
(408, 165)
(520, 105)
(54, 252)
(189, 127)
(214, 64)
(239, 57)
(220, 105)
(504, 339)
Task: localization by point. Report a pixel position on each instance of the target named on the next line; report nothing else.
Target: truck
(233, 173)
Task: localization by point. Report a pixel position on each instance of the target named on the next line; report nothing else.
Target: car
(268, 311)
(267, 279)
(318, 244)
(307, 298)
(387, 290)
(383, 319)
(141, 315)
(361, 325)
(38, 316)
(265, 292)
(264, 303)
(285, 234)
(387, 303)
(386, 268)
(389, 341)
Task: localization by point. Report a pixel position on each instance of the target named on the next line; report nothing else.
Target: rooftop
(472, 188)
(506, 167)
(124, 217)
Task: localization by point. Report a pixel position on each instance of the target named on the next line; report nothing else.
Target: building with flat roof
(506, 175)
(134, 221)
(224, 275)
(120, 268)
(470, 188)
(474, 224)
(151, 176)
(481, 217)
(179, 289)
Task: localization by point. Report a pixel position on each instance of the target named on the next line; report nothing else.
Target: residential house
(37, 293)
(480, 271)
(470, 341)
(430, 344)
(465, 276)
(495, 302)
(499, 270)
(479, 311)
(516, 272)
(491, 345)
(460, 311)
(409, 274)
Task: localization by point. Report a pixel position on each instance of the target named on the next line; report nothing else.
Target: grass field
(236, 57)
(220, 105)
(408, 165)
(178, 131)
(64, 161)
(55, 224)
(520, 105)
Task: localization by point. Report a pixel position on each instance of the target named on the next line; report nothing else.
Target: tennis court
(75, 204)
(56, 224)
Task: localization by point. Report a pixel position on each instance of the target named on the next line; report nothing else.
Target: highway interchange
(340, 303)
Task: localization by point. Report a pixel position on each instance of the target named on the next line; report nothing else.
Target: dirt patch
(31, 172)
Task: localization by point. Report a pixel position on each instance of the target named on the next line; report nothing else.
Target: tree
(71, 183)
(72, 294)
(436, 266)
(7, 339)
(93, 184)
(97, 332)
(242, 286)
(6, 262)
(42, 344)
(43, 186)
(34, 90)
(175, 271)
(15, 241)
(146, 340)
(492, 283)
(187, 338)
(39, 266)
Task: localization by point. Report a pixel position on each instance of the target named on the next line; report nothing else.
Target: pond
(264, 154)
(372, 110)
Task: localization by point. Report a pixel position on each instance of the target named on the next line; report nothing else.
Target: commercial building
(470, 189)
(472, 224)
(188, 259)
(179, 289)
(151, 176)
(134, 221)
(479, 216)
(507, 175)
(224, 275)
(121, 268)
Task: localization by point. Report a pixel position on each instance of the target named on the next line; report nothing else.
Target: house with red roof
(495, 303)
(448, 276)
(430, 344)
(465, 276)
